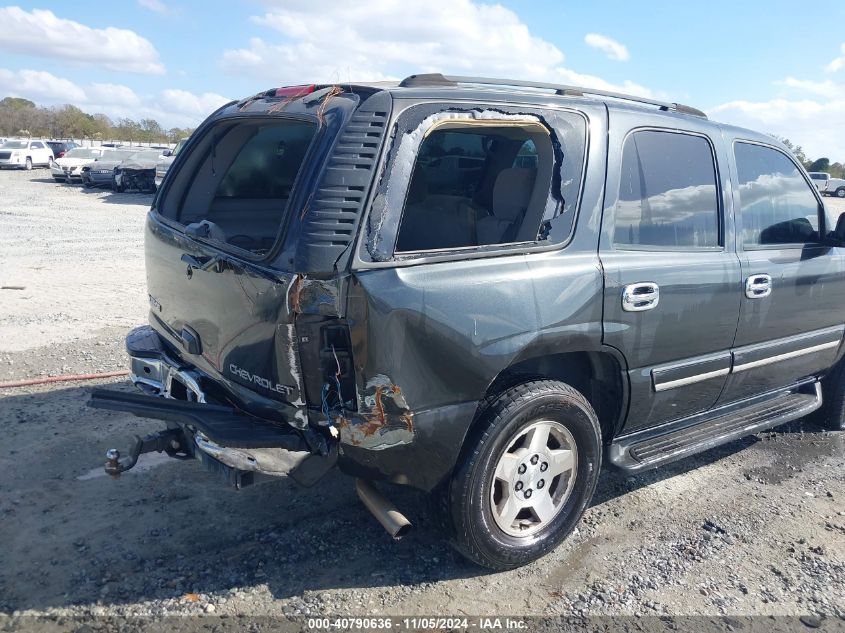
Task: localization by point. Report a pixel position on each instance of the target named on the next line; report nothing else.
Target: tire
(28, 164)
(840, 193)
(831, 415)
(503, 468)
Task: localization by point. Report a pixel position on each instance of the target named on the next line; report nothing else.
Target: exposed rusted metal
(385, 418)
(295, 296)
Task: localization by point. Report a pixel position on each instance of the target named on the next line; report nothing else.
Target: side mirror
(166, 152)
(837, 236)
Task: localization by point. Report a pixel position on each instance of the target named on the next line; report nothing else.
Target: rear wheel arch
(598, 375)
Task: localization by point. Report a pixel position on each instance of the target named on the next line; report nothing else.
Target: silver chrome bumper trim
(160, 375)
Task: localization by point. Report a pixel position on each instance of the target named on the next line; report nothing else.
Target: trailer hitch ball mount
(170, 441)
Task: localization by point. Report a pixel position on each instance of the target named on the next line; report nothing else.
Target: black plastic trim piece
(651, 448)
(222, 425)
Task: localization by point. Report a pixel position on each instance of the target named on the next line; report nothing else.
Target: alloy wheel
(534, 477)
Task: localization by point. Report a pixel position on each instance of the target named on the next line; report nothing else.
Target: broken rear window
(241, 178)
(477, 183)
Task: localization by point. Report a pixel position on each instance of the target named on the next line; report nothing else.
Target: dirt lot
(756, 527)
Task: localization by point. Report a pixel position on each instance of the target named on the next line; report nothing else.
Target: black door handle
(201, 263)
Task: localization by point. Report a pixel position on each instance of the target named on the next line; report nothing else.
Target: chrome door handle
(758, 286)
(640, 296)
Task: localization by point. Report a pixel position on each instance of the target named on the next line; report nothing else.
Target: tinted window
(238, 186)
(476, 185)
(668, 194)
(818, 176)
(777, 205)
(268, 163)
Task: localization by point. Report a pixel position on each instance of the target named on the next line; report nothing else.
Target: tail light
(294, 92)
(325, 352)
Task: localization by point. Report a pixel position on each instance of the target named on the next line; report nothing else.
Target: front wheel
(28, 164)
(840, 193)
(526, 476)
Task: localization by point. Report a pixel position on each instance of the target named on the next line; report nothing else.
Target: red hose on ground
(65, 378)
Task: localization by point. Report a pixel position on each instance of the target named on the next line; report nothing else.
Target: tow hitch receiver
(170, 441)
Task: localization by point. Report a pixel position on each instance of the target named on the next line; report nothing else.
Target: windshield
(82, 152)
(15, 145)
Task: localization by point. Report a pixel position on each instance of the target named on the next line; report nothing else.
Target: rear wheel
(526, 476)
(840, 193)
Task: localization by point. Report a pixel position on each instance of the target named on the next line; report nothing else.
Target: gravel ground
(753, 528)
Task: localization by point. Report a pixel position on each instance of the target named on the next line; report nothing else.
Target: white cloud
(336, 41)
(38, 85)
(171, 107)
(43, 34)
(154, 5)
(838, 62)
(818, 126)
(610, 47)
(189, 104)
(821, 88)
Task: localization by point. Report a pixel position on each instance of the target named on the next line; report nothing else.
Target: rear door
(671, 273)
(793, 293)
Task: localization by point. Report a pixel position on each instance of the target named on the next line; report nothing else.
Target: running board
(654, 447)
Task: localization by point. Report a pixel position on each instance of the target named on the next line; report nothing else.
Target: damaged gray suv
(484, 289)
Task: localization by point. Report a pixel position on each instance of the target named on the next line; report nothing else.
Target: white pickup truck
(828, 186)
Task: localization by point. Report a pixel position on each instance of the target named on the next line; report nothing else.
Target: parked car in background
(69, 167)
(25, 154)
(60, 148)
(100, 172)
(165, 163)
(819, 178)
(834, 187)
(137, 173)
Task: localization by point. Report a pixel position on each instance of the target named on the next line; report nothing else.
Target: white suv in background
(819, 178)
(25, 154)
(834, 187)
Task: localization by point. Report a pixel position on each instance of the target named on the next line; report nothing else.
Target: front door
(671, 276)
(793, 296)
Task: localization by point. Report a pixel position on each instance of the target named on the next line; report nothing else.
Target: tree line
(836, 170)
(22, 117)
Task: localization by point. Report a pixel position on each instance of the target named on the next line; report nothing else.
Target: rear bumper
(97, 180)
(226, 440)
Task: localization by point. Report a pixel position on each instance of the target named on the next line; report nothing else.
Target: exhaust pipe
(396, 523)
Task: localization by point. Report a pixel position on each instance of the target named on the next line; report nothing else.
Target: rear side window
(668, 192)
(777, 205)
(477, 184)
(243, 178)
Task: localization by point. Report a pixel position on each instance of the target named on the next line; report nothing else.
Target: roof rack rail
(437, 79)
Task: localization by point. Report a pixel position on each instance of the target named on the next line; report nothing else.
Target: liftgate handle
(205, 263)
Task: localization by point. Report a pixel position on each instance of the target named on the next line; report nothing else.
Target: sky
(774, 66)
